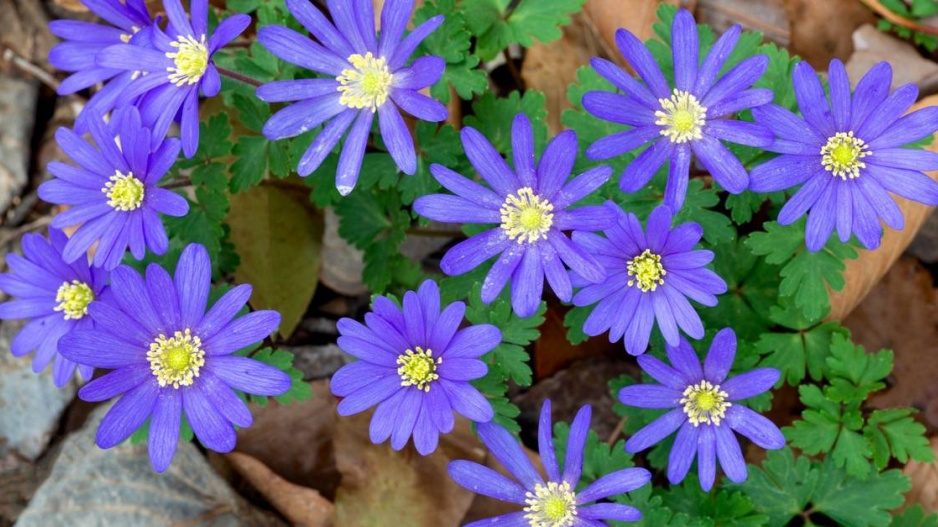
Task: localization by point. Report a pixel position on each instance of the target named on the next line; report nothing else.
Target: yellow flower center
(842, 155)
(176, 360)
(73, 298)
(681, 117)
(705, 403)
(646, 271)
(550, 505)
(124, 191)
(418, 368)
(367, 84)
(526, 217)
(191, 60)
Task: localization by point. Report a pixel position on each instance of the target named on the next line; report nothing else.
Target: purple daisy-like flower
(177, 67)
(531, 206)
(129, 24)
(170, 356)
(702, 411)
(365, 75)
(694, 116)
(552, 501)
(112, 193)
(649, 277)
(415, 364)
(848, 154)
(54, 296)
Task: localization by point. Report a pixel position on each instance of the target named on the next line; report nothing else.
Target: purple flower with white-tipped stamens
(848, 154)
(54, 296)
(130, 23)
(415, 364)
(531, 206)
(170, 356)
(693, 117)
(112, 194)
(649, 277)
(177, 67)
(364, 75)
(552, 501)
(702, 410)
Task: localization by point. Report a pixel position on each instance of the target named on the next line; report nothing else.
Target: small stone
(318, 362)
(30, 404)
(90, 487)
(872, 46)
(17, 113)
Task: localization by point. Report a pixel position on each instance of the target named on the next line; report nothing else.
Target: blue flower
(171, 357)
(531, 206)
(415, 364)
(365, 75)
(649, 277)
(177, 67)
(694, 116)
(703, 410)
(130, 23)
(552, 501)
(54, 295)
(112, 193)
(848, 154)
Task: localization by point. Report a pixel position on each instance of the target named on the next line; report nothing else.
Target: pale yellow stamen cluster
(842, 155)
(175, 361)
(190, 61)
(705, 403)
(73, 299)
(681, 117)
(646, 271)
(367, 84)
(526, 217)
(124, 191)
(125, 38)
(550, 505)
(418, 368)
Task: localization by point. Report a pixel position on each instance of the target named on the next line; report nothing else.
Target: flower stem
(238, 77)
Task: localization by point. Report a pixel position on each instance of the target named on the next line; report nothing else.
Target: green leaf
(853, 372)
(782, 487)
(251, 166)
(283, 361)
(493, 116)
(375, 222)
(721, 507)
(785, 486)
(806, 275)
(858, 503)
(496, 25)
(452, 42)
(697, 207)
(914, 516)
(800, 353)
(895, 433)
(752, 291)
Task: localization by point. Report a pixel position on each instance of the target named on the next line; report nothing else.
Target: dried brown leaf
(924, 478)
(384, 488)
(302, 506)
(815, 38)
(900, 314)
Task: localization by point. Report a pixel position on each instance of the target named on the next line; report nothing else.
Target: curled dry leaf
(279, 238)
(604, 17)
(815, 38)
(884, 320)
(384, 488)
(866, 271)
(924, 478)
(550, 68)
(302, 506)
